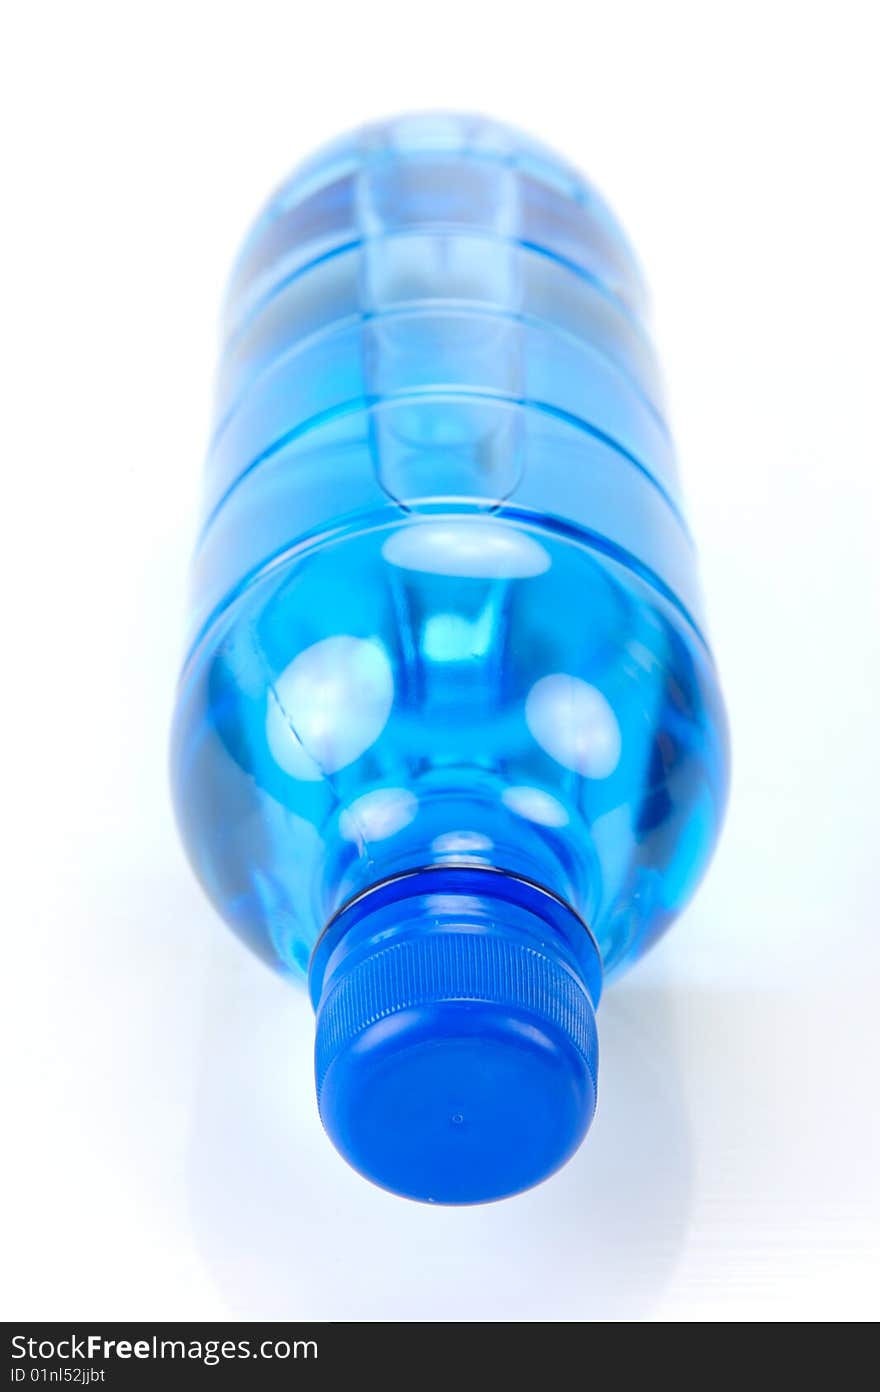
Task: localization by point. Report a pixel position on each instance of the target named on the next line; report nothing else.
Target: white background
(162, 1156)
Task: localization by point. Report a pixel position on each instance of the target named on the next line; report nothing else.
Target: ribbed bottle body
(445, 601)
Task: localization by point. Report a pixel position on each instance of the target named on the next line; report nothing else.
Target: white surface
(162, 1157)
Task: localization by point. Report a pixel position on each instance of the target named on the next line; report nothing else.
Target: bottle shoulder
(457, 690)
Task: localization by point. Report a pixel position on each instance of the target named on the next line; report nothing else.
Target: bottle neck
(457, 824)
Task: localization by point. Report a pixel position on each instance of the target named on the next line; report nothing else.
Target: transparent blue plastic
(449, 738)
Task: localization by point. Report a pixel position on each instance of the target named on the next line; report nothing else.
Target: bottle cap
(456, 1046)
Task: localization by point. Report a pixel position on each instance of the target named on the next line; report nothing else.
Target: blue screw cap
(456, 1047)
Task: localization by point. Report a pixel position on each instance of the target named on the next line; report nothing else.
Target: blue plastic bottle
(449, 740)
